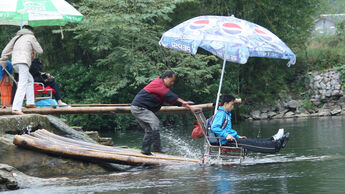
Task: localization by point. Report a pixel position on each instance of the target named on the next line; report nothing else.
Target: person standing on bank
(22, 47)
(148, 101)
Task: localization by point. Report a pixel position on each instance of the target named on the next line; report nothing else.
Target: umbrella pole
(21, 24)
(10, 75)
(220, 87)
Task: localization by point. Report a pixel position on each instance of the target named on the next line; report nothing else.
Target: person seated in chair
(46, 79)
(229, 135)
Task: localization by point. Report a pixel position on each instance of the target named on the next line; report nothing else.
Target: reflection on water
(312, 162)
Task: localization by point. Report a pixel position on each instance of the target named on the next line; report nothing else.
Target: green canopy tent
(38, 13)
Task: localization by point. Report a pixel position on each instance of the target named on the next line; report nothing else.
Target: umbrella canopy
(37, 13)
(227, 37)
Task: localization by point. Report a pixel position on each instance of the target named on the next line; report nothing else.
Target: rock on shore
(7, 177)
(325, 98)
(36, 163)
(12, 179)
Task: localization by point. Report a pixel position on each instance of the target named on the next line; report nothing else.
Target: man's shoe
(161, 150)
(30, 106)
(278, 145)
(157, 143)
(148, 153)
(279, 134)
(285, 139)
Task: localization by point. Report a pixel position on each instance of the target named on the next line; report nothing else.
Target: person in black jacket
(46, 79)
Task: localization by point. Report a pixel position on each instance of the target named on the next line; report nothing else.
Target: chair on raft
(42, 92)
(212, 147)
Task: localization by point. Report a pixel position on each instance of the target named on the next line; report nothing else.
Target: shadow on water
(312, 162)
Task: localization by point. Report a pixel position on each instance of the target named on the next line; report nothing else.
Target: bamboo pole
(100, 110)
(76, 105)
(84, 105)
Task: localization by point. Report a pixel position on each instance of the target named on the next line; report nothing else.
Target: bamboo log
(43, 134)
(79, 148)
(44, 141)
(75, 152)
(101, 110)
(49, 147)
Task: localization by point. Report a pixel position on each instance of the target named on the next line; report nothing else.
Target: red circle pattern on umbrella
(199, 24)
(231, 28)
(263, 34)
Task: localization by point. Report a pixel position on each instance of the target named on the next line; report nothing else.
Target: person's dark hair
(28, 27)
(167, 74)
(36, 67)
(227, 98)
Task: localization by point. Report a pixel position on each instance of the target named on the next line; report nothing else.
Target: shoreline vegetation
(114, 52)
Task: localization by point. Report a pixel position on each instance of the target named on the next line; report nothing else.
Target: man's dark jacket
(153, 95)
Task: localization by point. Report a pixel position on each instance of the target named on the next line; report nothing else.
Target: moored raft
(48, 142)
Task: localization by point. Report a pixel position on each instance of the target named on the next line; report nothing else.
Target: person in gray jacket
(23, 48)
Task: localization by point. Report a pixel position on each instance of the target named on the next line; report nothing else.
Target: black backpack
(35, 70)
(36, 67)
(211, 135)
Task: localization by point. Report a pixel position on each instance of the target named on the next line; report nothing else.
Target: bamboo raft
(48, 142)
(99, 109)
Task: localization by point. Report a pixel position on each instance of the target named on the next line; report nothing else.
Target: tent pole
(220, 87)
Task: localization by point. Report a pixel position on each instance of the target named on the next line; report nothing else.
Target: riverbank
(324, 97)
(37, 164)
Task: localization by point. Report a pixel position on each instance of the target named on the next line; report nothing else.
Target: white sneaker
(279, 134)
(62, 104)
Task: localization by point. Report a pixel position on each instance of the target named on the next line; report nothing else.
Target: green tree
(119, 53)
(114, 52)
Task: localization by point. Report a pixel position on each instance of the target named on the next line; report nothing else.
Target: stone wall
(325, 87)
(326, 99)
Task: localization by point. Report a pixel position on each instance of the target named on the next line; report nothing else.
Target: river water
(312, 162)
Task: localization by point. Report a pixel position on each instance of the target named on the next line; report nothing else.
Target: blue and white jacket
(218, 121)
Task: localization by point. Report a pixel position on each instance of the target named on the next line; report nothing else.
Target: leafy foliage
(114, 52)
(327, 51)
(120, 55)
